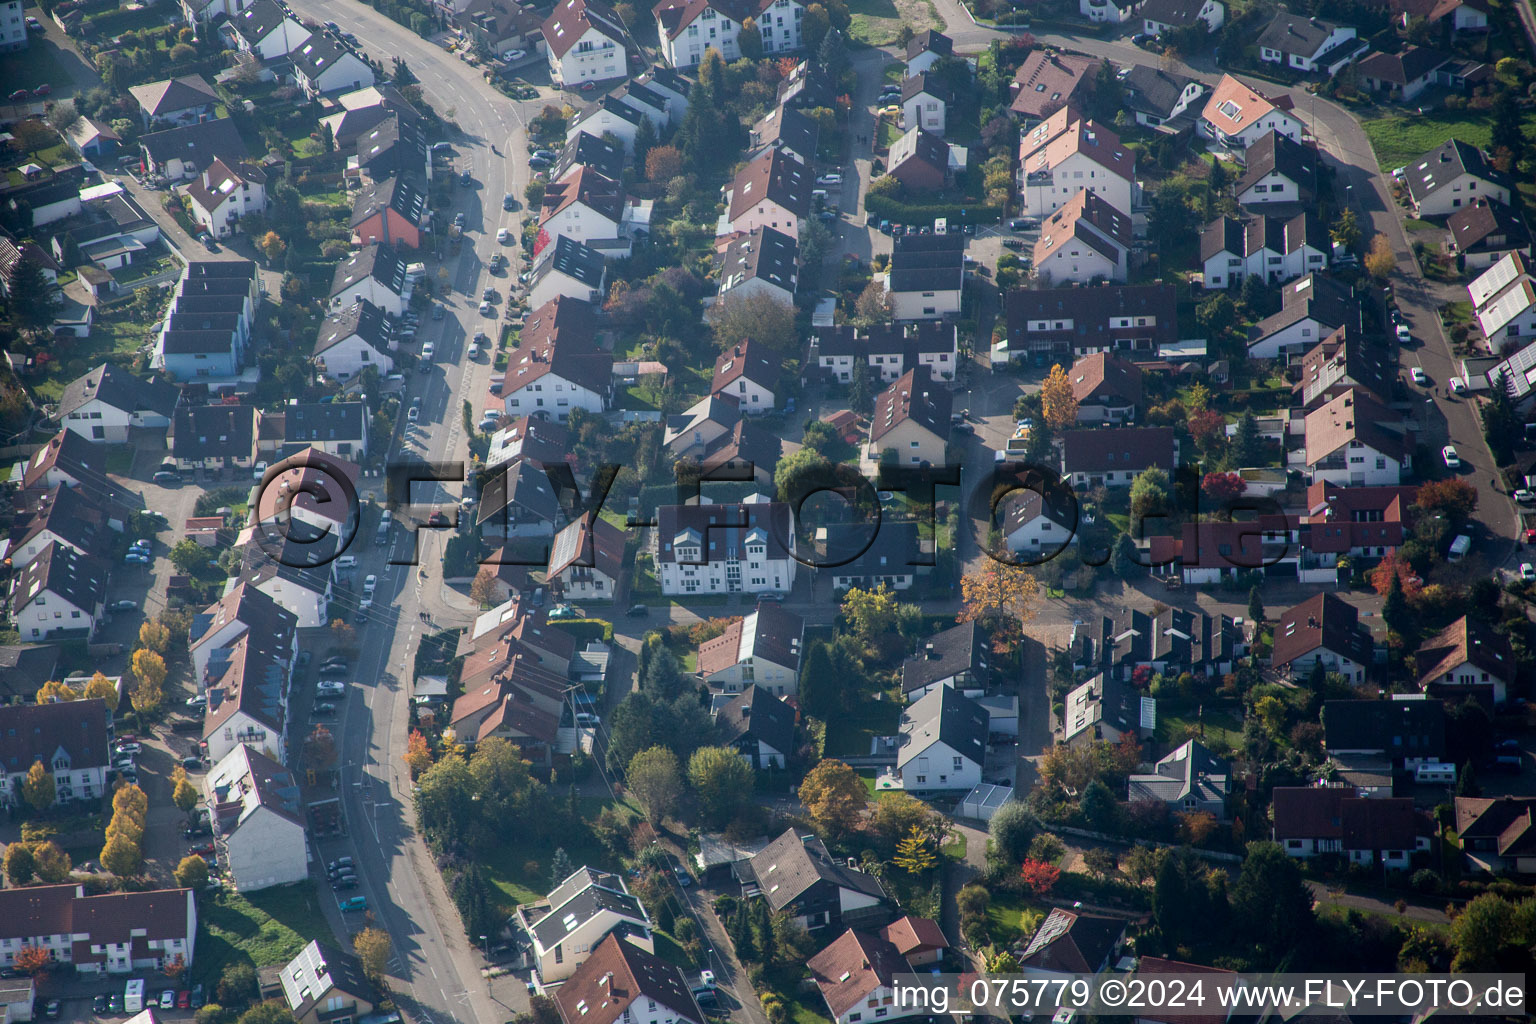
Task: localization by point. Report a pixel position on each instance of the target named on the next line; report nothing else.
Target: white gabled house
(569, 924)
(761, 649)
(1236, 116)
(255, 810)
(943, 743)
(584, 42)
(746, 547)
(224, 194)
(59, 591)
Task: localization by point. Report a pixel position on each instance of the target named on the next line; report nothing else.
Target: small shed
(983, 801)
(1002, 713)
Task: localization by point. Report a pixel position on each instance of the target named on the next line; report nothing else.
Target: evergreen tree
(833, 53)
(1217, 182)
(741, 934)
(560, 867)
(1255, 606)
(34, 300)
(860, 390)
(1507, 130)
(818, 684)
(1466, 782)
(1247, 445)
(645, 140)
(1123, 560)
(1394, 608)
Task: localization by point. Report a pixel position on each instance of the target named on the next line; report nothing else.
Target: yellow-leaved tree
(1057, 402)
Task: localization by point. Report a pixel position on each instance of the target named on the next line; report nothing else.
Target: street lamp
(487, 944)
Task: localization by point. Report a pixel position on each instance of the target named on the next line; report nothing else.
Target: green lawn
(850, 734)
(1399, 138)
(260, 928)
(956, 847)
(1006, 917)
(115, 336)
(521, 871)
(1220, 726)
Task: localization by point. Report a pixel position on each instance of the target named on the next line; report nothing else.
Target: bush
(899, 212)
(586, 630)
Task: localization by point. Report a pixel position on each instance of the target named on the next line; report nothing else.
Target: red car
(42, 90)
(202, 851)
(184, 999)
(20, 96)
(437, 519)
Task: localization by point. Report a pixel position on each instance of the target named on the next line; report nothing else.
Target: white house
(957, 657)
(584, 42)
(1036, 524)
(70, 740)
(1307, 44)
(1159, 16)
(377, 273)
(925, 277)
(59, 591)
(266, 30)
(613, 115)
(1324, 628)
(758, 726)
(889, 350)
(857, 975)
(558, 367)
(1270, 248)
(761, 649)
(586, 559)
(243, 609)
(926, 49)
(247, 699)
(762, 261)
(588, 208)
(106, 402)
(623, 982)
(63, 515)
(1064, 155)
(111, 933)
(748, 373)
(570, 923)
(224, 194)
(1115, 458)
(687, 30)
(1276, 169)
(1236, 116)
(567, 268)
(257, 814)
(725, 549)
(1504, 302)
(1312, 308)
(1162, 98)
(1452, 176)
(772, 191)
(943, 742)
(324, 65)
(1085, 240)
(353, 338)
(1115, 12)
(1350, 441)
(911, 419)
(924, 100)
(294, 575)
(1314, 820)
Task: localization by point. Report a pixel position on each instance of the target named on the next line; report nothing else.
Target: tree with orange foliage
(33, 960)
(1396, 565)
(1195, 827)
(1039, 876)
(174, 967)
(418, 755)
(996, 594)
(1454, 498)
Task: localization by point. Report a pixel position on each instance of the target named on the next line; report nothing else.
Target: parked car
(638, 611)
(168, 999)
(323, 709)
(355, 903)
(197, 997)
(344, 882)
(336, 663)
(166, 476)
(99, 1005)
(1527, 571)
(184, 999)
(192, 762)
(128, 747)
(1419, 376)
(428, 351)
(197, 703)
(125, 606)
(52, 1009)
(20, 96)
(329, 689)
(1452, 460)
(465, 179)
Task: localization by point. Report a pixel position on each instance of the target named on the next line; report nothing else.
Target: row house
(1058, 324)
(1168, 641)
(1310, 821)
(1343, 360)
(1115, 458)
(1504, 303)
(1358, 522)
(257, 817)
(66, 516)
(788, 129)
(1269, 248)
(763, 261)
(889, 350)
(911, 421)
(248, 698)
(266, 30)
(925, 278)
(60, 592)
(110, 933)
(725, 549)
(70, 739)
(1214, 551)
(771, 191)
(1312, 308)
(206, 344)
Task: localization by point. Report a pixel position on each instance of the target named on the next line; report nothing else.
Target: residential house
(761, 262)
(687, 28)
(59, 591)
(1401, 76)
(1350, 441)
(303, 493)
(1408, 729)
(772, 191)
(857, 975)
(1167, 641)
(797, 876)
(958, 657)
(918, 940)
(591, 209)
(622, 982)
(540, 441)
(807, 86)
(1115, 458)
(189, 150)
(925, 49)
(324, 985)
(694, 431)
(1159, 16)
(1107, 709)
(761, 649)
(671, 85)
(1456, 15)
(365, 109)
(893, 558)
(1271, 248)
(63, 515)
(1362, 522)
(353, 338)
(1047, 81)
(69, 738)
(1310, 821)
(92, 140)
(68, 458)
(175, 101)
(577, 916)
(377, 273)
(224, 194)
(12, 253)
(1085, 240)
(1308, 44)
(889, 350)
(725, 549)
(335, 428)
(265, 30)
(520, 503)
(911, 419)
(247, 698)
(502, 26)
(111, 933)
(920, 160)
(924, 99)
(558, 366)
(1058, 324)
(198, 13)
(584, 42)
(788, 129)
(748, 451)
(214, 438)
(1323, 629)
(591, 151)
(1064, 155)
(106, 403)
(758, 726)
(1212, 552)
(943, 744)
(1237, 116)
(1107, 388)
(1037, 523)
(516, 700)
(1162, 99)
(925, 278)
(1451, 176)
(1498, 834)
(395, 147)
(619, 115)
(295, 575)
(1114, 12)
(24, 668)
(1276, 169)
(244, 609)
(1484, 232)
(1312, 308)
(586, 559)
(748, 373)
(324, 65)
(1504, 304)
(1071, 942)
(1466, 658)
(567, 268)
(1188, 780)
(258, 817)
(390, 212)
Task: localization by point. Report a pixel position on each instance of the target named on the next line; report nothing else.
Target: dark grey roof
(929, 39)
(763, 254)
(197, 341)
(1443, 165)
(922, 263)
(395, 146)
(1178, 13)
(892, 552)
(220, 302)
(809, 85)
(120, 390)
(572, 259)
(214, 431)
(1278, 153)
(582, 906)
(1413, 63)
(380, 262)
(905, 340)
(325, 422)
(75, 729)
(1189, 771)
(756, 714)
(187, 320)
(317, 55)
(1295, 33)
(399, 194)
(361, 319)
(788, 867)
(1399, 728)
(201, 143)
(1119, 449)
(923, 146)
(24, 668)
(241, 270)
(1152, 90)
(1277, 234)
(60, 570)
(961, 648)
(789, 129)
(524, 488)
(945, 716)
(260, 18)
(1329, 301)
(923, 82)
(724, 528)
(595, 152)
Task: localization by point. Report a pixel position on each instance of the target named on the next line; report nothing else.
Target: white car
(1527, 571)
(1457, 385)
(370, 583)
(830, 179)
(512, 55)
(1524, 496)
(486, 309)
(1403, 334)
(258, 471)
(473, 353)
(1419, 376)
(330, 689)
(427, 351)
(504, 235)
(1452, 460)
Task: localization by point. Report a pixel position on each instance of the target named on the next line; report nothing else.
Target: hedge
(586, 630)
(898, 212)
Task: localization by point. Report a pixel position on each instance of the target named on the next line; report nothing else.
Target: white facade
(924, 110)
(592, 58)
(348, 72)
(1361, 465)
(555, 282)
(923, 305)
(307, 605)
(48, 613)
(70, 782)
(1308, 61)
(112, 422)
(1191, 94)
(375, 291)
(1274, 187)
(550, 395)
(265, 845)
(350, 355)
(779, 25)
(13, 26)
(1295, 338)
(764, 214)
(225, 208)
(1107, 10)
(939, 766)
(756, 573)
(1212, 13)
(1034, 536)
(1462, 190)
(1227, 269)
(582, 223)
(1045, 192)
(1080, 263)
